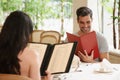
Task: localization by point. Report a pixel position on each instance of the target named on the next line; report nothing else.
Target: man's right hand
(85, 57)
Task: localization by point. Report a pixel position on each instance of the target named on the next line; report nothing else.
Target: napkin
(106, 66)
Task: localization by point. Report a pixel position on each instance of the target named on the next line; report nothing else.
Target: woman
(15, 56)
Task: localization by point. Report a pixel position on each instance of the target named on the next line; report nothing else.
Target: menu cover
(55, 58)
(86, 42)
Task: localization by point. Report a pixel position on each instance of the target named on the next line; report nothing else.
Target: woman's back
(29, 64)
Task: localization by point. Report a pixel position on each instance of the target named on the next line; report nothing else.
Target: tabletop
(89, 71)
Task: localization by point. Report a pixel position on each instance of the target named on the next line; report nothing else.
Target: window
(45, 14)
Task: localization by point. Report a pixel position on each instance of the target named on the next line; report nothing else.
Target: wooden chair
(0, 27)
(50, 37)
(13, 77)
(35, 37)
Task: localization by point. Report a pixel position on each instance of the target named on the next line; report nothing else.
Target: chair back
(51, 37)
(13, 77)
(0, 27)
(36, 35)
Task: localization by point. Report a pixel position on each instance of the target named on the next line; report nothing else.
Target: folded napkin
(106, 66)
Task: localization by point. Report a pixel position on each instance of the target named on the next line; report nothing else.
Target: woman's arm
(35, 66)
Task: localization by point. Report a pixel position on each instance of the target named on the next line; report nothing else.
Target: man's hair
(84, 11)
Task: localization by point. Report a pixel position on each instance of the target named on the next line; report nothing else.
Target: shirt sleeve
(102, 43)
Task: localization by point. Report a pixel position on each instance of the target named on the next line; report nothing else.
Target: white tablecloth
(86, 71)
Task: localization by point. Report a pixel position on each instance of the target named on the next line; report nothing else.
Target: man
(84, 19)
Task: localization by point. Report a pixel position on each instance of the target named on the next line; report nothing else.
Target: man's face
(85, 23)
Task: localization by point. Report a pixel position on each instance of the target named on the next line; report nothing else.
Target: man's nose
(85, 25)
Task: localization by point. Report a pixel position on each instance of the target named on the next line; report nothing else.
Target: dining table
(90, 71)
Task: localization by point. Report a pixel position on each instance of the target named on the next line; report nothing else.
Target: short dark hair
(84, 11)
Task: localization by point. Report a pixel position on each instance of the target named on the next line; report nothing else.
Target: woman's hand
(86, 57)
(48, 76)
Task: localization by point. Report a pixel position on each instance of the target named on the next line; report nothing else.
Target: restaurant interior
(52, 20)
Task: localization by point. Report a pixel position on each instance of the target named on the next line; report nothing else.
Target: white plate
(103, 70)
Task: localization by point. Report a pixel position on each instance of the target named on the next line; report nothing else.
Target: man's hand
(86, 57)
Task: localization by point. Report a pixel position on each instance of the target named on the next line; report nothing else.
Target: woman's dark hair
(84, 11)
(14, 37)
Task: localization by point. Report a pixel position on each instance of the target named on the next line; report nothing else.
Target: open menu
(86, 42)
(55, 58)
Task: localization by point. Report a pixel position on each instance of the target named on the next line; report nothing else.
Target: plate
(103, 70)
